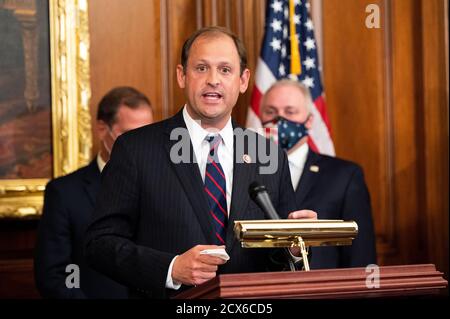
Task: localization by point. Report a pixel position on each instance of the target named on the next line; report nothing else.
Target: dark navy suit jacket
(338, 191)
(68, 207)
(151, 209)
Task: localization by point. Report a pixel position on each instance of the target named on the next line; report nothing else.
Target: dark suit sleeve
(110, 245)
(53, 248)
(357, 207)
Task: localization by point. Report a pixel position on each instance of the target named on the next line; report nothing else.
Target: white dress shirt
(201, 147)
(297, 160)
(100, 162)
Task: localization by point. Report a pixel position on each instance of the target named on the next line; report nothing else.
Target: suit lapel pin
(246, 158)
(314, 168)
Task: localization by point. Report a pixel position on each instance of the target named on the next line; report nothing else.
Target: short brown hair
(122, 95)
(215, 30)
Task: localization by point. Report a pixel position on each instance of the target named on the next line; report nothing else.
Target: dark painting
(25, 96)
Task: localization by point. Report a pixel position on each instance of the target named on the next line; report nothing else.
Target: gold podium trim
(286, 233)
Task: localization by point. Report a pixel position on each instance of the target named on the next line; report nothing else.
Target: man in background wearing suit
(69, 203)
(156, 214)
(331, 186)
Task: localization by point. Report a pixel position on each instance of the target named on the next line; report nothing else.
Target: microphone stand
(258, 193)
(289, 259)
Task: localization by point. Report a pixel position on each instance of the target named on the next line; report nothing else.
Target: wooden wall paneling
(182, 21)
(216, 12)
(390, 114)
(17, 241)
(386, 244)
(356, 81)
(408, 138)
(164, 62)
(249, 26)
(208, 12)
(125, 50)
(435, 115)
(225, 18)
(236, 17)
(17, 279)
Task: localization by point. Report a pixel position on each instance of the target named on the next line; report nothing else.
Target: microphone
(258, 193)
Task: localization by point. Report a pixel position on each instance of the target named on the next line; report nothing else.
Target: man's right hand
(192, 268)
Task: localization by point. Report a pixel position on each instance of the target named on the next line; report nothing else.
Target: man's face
(212, 80)
(126, 119)
(286, 101)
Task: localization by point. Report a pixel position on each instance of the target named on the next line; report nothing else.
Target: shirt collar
(198, 133)
(100, 162)
(298, 157)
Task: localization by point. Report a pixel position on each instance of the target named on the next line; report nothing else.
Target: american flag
(289, 50)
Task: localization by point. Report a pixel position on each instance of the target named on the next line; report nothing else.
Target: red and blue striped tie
(215, 188)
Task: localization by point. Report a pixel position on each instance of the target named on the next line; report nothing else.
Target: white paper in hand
(219, 252)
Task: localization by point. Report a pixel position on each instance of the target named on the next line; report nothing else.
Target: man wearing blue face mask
(69, 204)
(333, 187)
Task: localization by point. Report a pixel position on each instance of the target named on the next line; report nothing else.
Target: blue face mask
(289, 132)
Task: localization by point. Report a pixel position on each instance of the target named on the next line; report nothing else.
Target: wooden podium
(397, 281)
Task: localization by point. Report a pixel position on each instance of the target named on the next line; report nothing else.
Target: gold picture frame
(70, 95)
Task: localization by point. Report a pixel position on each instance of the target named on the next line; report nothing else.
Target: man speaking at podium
(156, 214)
